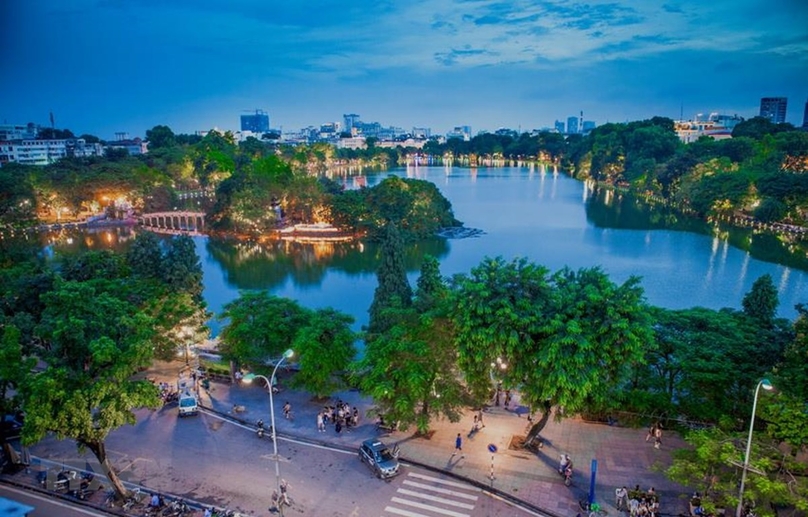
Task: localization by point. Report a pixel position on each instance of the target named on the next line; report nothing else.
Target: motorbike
(260, 429)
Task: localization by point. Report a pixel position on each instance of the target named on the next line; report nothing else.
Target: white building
(44, 152)
(134, 146)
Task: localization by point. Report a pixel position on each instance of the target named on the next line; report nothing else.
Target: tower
(258, 123)
(805, 117)
(774, 109)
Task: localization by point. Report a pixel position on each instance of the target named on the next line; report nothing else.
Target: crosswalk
(428, 496)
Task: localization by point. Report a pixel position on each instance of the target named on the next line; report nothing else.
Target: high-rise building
(588, 126)
(559, 126)
(805, 117)
(350, 122)
(572, 125)
(774, 109)
(257, 123)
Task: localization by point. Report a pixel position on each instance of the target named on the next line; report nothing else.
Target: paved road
(46, 506)
(213, 461)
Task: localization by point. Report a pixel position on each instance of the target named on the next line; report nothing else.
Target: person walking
(657, 436)
(320, 422)
(651, 432)
(459, 446)
(287, 410)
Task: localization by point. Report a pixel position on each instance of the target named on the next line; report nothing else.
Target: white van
(188, 403)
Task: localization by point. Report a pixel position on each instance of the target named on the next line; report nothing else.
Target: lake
(536, 213)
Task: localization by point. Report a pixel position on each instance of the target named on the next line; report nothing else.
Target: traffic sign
(492, 448)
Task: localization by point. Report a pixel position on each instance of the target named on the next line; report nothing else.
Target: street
(211, 461)
(46, 506)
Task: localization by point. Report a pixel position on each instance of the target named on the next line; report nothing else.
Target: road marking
(444, 482)
(405, 513)
(436, 499)
(441, 490)
(428, 507)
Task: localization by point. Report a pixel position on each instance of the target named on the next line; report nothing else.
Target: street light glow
(248, 379)
(766, 385)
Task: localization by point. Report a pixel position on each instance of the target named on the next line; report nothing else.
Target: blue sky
(104, 66)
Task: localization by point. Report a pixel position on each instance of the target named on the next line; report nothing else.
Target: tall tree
(569, 338)
(182, 269)
(259, 326)
(761, 302)
(393, 287)
(144, 256)
(324, 349)
(410, 369)
(160, 136)
(96, 341)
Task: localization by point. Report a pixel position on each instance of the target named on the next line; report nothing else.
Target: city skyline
(105, 67)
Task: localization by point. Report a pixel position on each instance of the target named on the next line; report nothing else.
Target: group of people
(636, 502)
(341, 415)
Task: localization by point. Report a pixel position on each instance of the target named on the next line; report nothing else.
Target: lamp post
(766, 386)
(248, 379)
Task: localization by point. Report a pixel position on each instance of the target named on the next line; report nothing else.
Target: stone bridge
(174, 222)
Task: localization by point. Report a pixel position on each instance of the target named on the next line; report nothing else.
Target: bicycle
(594, 509)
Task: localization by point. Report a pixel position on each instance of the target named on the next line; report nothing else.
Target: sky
(104, 66)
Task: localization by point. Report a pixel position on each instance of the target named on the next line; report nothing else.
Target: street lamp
(766, 386)
(248, 379)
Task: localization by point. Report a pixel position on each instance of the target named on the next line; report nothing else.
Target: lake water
(546, 217)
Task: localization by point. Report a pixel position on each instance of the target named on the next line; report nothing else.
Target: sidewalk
(623, 456)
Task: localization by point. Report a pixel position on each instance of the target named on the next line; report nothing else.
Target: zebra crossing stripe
(436, 499)
(428, 507)
(405, 513)
(440, 490)
(444, 482)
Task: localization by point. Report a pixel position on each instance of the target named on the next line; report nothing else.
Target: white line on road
(441, 490)
(405, 513)
(435, 499)
(428, 507)
(445, 482)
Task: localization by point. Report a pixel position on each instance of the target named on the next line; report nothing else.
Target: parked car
(379, 458)
(10, 428)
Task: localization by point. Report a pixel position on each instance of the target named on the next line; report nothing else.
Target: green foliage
(569, 338)
(761, 302)
(182, 269)
(159, 137)
(410, 369)
(325, 349)
(144, 257)
(15, 367)
(393, 289)
(259, 327)
(712, 465)
(93, 264)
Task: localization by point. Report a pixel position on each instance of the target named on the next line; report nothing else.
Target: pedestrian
(657, 437)
(507, 399)
(459, 446)
(287, 410)
(475, 425)
(621, 498)
(320, 422)
(651, 432)
(338, 426)
(480, 417)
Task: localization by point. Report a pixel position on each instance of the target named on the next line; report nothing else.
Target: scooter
(567, 473)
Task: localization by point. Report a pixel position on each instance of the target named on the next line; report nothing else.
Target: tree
(713, 462)
(761, 302)
(325, 349)
(182, 269)
(159, 137)
(569, 338)
(393, 288)
(260, 326)
(95, 342)
(410, 369)
(144, 256)
(14, 368)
